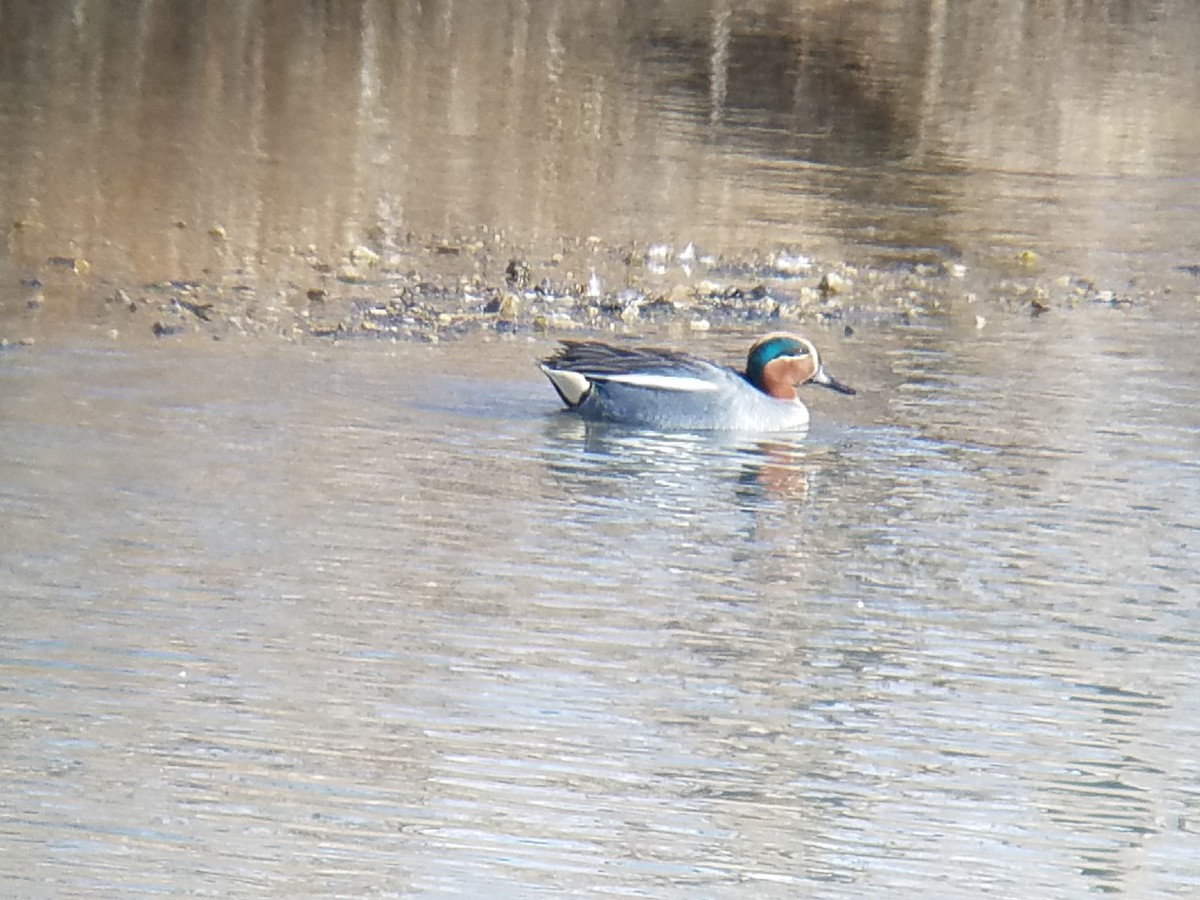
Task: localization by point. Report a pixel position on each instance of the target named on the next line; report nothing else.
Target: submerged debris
(161, 329)
(406, 287)
(76, 264)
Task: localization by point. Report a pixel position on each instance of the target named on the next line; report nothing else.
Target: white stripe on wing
(681, 383)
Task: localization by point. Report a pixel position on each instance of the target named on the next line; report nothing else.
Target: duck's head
(779, 363)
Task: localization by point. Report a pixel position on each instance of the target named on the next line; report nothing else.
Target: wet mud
(432, 289)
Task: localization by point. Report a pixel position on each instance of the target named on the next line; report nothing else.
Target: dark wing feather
(596, 359)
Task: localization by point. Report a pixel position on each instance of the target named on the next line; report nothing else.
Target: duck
(663, 389)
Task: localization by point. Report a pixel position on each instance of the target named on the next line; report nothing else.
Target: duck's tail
(572, 387)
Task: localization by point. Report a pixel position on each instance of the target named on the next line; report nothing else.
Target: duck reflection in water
(619, 462)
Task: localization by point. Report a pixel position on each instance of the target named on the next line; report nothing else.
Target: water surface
(873, 131)
(354, 618)
(380, 620)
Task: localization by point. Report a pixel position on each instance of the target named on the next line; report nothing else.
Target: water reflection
(877, 130)
(373, 619)
(639, 460)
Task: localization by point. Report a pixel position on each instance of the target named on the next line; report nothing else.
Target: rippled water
(365, 620)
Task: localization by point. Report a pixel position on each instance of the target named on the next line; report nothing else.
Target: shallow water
(363, 620)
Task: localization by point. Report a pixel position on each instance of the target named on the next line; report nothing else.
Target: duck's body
(670, 390)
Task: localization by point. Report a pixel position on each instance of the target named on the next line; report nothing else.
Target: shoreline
(434, 289)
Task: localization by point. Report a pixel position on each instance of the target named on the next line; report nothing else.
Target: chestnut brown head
(779, 363)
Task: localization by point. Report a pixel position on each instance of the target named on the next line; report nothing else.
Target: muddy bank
(434, 288)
